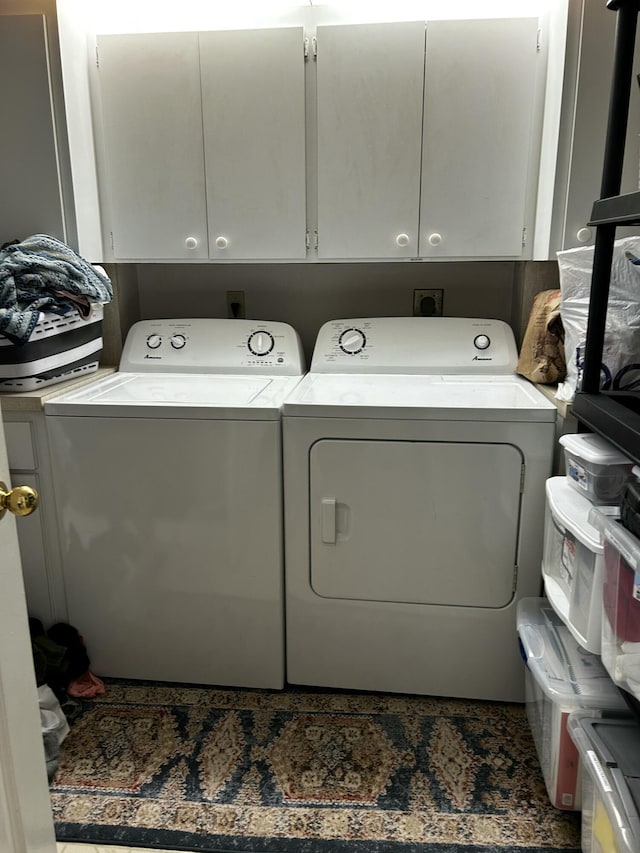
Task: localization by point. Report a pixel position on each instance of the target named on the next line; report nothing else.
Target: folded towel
(43, 274)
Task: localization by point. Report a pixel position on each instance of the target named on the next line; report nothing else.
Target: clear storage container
(595, 468)
(630, 503)
(573, 563)
(620, 646)
(610, 769)
(560, 678)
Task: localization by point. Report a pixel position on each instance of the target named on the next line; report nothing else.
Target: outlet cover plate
(436, 295)
(235, 305)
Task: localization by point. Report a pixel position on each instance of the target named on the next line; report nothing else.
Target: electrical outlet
(235, 305)
(427, 303)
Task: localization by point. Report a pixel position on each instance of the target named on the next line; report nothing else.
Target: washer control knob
(154, 341)
(352, 341)
(191, 243)
(260, 343)
(178, 341)
(482, 342)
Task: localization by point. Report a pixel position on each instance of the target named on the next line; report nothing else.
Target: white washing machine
(168, 478)
(415, 461)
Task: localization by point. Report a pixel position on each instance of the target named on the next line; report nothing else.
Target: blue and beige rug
(303, 771)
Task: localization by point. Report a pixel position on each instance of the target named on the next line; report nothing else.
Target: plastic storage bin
(610, 761)
(620, 647)
(630, 503)
(595, 468)
(573, 563)
(59, 348)
(560, 678)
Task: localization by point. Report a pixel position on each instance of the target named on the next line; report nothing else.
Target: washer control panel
(415, 345)
(212, 346)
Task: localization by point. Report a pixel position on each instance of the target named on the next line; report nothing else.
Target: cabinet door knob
(191, 242)
(584, 235)
(21, 500)
(435, 239)
(402, 240)
(221, 242)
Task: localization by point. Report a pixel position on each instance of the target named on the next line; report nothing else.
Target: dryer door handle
(328, 520)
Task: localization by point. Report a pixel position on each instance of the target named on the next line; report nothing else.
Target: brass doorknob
(21, 500)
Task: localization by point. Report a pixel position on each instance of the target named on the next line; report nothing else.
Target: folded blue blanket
(42, 274)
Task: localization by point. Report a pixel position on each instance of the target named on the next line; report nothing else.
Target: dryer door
(420, 522)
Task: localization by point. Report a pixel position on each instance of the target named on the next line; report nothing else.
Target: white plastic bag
(52, 713)
(621, 351)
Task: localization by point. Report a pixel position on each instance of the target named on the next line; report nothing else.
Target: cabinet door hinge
(524, 237)
(539, 41)
(97, 58)
(310, 47)
(111, 236)
(311, 239)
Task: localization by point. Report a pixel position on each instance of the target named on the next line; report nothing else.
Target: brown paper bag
(542, 353)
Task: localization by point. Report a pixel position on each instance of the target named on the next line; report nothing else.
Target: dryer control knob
(260, 343)
(352, 341)
(482, 342)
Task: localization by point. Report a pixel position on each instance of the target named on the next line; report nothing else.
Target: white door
(154, 181)
(253, 108)
(370, 83)
(478, 112)
(415, 521)
(26, 824)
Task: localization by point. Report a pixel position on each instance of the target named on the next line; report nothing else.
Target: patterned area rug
(303, 771)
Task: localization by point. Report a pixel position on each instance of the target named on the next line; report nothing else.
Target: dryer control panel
(206, 345)
(451, 345)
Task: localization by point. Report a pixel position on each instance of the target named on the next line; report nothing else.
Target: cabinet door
(478, 107)
(152, 135)
(584, 123)
(253, 105)
(29, 175)
(369, 88)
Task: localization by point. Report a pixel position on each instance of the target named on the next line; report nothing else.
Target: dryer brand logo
(482, 358)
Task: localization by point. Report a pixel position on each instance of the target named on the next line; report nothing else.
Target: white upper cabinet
(369, 89)
(425, 152)
(394, 141)
(152, 132)
(253, 105)
(585, 108)
(477, 139)
(204, 144)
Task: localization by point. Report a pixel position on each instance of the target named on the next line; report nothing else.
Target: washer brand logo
(157, 357)
(482, 358)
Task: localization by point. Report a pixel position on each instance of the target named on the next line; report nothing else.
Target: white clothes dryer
(168, 478)
(415, 461)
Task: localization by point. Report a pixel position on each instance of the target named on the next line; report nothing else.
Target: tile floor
(106, 848)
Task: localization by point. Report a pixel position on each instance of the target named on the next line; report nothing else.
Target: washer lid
(427, 397)
(173, 395)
